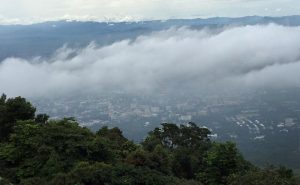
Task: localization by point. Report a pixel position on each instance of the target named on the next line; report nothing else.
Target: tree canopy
(12, 110)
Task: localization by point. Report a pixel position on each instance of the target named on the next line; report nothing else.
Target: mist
(236, 58)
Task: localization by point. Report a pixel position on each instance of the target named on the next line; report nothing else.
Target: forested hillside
(35, 150)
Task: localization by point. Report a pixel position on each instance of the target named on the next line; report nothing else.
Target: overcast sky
(26, 11)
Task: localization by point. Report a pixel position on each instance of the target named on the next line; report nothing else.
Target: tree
(172, 136)
(41, 150)
(187, 144)
(12, 110)
(269, 175)
(41, 118)
(221, 161)
(114, 134)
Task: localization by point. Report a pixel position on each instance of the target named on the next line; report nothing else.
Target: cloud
(236, 58)
(32, 11)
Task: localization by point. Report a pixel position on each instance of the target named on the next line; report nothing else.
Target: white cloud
(240, 57)
(28, 11)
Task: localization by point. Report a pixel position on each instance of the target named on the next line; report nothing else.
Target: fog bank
(245, 57)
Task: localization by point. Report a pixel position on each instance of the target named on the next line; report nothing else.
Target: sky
(30, 11)
(238, 58)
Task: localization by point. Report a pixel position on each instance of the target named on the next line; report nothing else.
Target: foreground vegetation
(35, 151)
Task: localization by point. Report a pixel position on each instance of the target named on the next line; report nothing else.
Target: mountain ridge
(43, 39)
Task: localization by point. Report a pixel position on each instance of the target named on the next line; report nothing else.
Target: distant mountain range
(43, 39)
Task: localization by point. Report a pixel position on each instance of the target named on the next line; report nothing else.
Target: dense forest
(35, 150)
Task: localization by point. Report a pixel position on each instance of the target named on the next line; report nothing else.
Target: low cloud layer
(196, 60)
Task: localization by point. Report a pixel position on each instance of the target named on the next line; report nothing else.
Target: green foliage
(114, 135)
(172, 136)
(4, 181)
(116, 142)
(222, 160)
(34, 150)
(187, 145)
(270, 175)
(12, 110)
(41, 118)
(41, 150)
